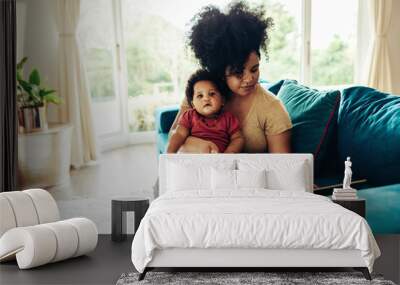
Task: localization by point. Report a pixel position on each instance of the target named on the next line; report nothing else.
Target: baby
(207, 120)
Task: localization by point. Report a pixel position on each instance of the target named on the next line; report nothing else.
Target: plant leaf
(19, 75)
(26, 86)
(20, 64)
(34, 78)
(36, 98)
(50, 91)
(52, 98)
(41, 93)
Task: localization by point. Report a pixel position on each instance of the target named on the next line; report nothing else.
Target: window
(313, 41)
(158, 63)
(333, 42)
(98, 46)
(284, 47)
(97, 38)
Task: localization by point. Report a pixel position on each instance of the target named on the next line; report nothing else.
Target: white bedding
(252, 218)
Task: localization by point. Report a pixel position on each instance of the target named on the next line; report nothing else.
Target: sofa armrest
(165, 117)
(383, 208)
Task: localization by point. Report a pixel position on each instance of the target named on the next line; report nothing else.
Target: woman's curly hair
(219, 40)
(204, 75)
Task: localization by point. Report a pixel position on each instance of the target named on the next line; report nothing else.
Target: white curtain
(73, 88)
(379, 71)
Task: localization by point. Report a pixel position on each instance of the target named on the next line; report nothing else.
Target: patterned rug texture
(243, 278)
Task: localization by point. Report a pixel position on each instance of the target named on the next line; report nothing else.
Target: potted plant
(32, 99)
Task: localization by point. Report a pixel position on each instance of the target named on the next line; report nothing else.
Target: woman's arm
(236, 144)
(177, 139)
(279, 143)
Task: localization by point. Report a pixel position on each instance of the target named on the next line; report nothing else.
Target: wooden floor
(103, 266)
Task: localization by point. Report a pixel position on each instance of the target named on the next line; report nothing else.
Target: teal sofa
(359, 122)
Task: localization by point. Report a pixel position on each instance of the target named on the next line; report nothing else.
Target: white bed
(247, 210)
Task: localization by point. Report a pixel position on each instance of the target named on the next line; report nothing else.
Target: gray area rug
(229, 278)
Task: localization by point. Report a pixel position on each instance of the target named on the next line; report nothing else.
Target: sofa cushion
(382, 211)
(273, 87)
(313, 114)
(162, 142)
(369, 132)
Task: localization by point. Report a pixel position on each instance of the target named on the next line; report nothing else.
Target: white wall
(40, 42)
(21, 25)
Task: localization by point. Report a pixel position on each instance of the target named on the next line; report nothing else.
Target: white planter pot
(44, 157)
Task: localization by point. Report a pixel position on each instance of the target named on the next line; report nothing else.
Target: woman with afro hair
(228, 45)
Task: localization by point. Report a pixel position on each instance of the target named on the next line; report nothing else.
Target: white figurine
(347, 174)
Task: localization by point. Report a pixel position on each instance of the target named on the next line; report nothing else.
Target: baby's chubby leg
(197, 145)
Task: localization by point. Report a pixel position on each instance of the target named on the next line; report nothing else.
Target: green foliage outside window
(159, 65)
(333, 65)
(284, 57)
(99, 69)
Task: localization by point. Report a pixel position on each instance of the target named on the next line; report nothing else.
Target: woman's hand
(197, 145)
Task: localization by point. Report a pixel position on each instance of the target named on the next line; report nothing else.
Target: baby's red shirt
(218, 129)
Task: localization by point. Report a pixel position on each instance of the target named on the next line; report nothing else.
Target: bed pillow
(225, 179)
(181, 177)
(193, 174)
(291, 180)
(314, 115)
(251, 178)
(280, 174)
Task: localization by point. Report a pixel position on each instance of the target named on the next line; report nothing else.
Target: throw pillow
(273, 87)
(313, 114)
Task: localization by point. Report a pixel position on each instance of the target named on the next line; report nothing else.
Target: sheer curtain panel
(379, 72)
(73, 88)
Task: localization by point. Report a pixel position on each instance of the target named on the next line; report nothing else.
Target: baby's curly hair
(204, 75)
(219, 40)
